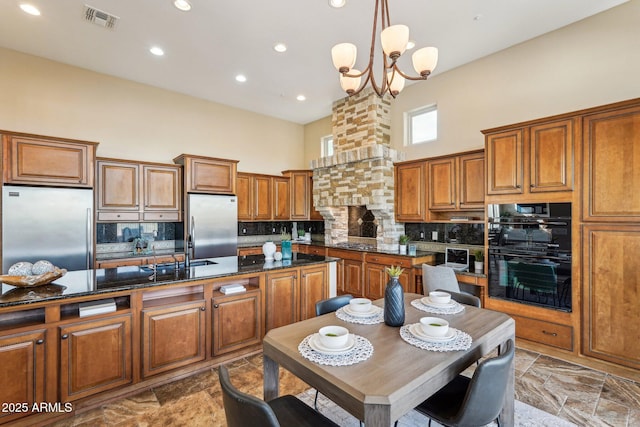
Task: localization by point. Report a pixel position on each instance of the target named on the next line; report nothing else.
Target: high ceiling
(207, 47)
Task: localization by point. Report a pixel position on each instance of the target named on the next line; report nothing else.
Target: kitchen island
(163, 324)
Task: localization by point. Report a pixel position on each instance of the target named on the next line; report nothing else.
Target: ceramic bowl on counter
(440, 297)
(333, 336)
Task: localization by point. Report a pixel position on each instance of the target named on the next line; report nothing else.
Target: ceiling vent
(99, 17)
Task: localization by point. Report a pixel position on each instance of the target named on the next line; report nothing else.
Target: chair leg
(315, 402)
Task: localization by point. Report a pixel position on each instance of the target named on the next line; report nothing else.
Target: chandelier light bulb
(425, 60)
(394, 40)
(396, 82)
(344, 56)
(350, 84)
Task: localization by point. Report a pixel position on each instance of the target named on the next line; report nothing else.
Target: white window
(327, 145)
(422, 125)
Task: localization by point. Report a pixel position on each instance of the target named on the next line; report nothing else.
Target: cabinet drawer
(118, 216)
(389, 260)
(161, 216)
(314, 250)
(542, 332)
(114, 263)
(346, 254)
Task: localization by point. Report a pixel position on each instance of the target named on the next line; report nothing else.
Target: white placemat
(362, 350)
(461, 340)
(455, 308)
(378, 317)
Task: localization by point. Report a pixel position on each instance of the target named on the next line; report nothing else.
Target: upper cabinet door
(299, 182)
(208, 175)
(41, 161)
(442, 184)
(281, 199)
(118, 186)
(611, 166)
(471, 177)
(410, 192)
(504, 162)
(162, 187)
(551, 154)
(245, 199)
(262, 197)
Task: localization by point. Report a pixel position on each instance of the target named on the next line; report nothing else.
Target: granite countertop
(99, 281)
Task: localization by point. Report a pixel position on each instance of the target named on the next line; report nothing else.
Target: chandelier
(394, 39)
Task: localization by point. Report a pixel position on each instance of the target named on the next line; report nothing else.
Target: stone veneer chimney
(361, 170)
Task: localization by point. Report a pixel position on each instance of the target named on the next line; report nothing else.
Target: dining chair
(439, 278)
(464, 298)
(243, 410)
(474, 401)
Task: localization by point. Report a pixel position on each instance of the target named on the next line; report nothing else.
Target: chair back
(438, 278)
(464, 298)
(485, 395)
(242, 409)
(332, 304)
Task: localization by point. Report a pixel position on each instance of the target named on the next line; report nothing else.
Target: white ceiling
(206, 47)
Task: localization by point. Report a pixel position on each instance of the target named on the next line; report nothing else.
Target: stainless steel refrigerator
(212, 225)
(45, 223)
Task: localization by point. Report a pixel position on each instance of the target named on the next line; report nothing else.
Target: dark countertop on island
(99, 281)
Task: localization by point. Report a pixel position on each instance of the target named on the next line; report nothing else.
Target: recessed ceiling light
(478, 17)
(183, 5)
(156, 51)
(411, 44)
(301, 98)
(30, 9)
(337, 3)
(280, 47)
(241, 78)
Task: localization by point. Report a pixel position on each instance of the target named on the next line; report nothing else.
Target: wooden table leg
(271, 370)
(377, 416)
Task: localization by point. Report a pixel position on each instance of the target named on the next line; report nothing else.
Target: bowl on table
(440, 297)
(360, 305)
(333, 336)
(434, 326)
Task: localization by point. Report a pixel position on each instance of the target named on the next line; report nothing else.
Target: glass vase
(286, 249)
(394, 303)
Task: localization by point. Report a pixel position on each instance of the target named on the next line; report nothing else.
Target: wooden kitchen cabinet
(237, 321)
(376, 279)
(22, 369)
(611, 166)
(350, 271)
(281, 199)
(40, 160)
(255, 195)
(293, 293)
(133, 191)
(410, 183)
(300, 190)
(95, 356)
(456, 183)
(173, 333)
(533, 158)
(207, 174)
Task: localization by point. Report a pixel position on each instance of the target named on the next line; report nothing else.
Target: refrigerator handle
(89, 241)
(191, 244)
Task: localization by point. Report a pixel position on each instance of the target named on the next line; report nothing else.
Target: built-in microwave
(529, 256)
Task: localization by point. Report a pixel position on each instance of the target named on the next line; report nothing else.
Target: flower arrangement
(394, 271)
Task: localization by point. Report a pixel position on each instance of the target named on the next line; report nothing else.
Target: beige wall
(313, 132)
(592, 62)
(139, 122)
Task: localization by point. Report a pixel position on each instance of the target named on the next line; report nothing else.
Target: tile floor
(583, 396)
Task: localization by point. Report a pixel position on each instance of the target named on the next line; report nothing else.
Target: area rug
(525, 415)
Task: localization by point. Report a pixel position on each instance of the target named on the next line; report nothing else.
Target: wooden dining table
(398, 376)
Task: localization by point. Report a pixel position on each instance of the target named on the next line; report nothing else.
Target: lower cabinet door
(236, 321)
(22, 363)
(94, 356)
(352, 276)
(282, 305)
(313, 288)
(172, 336)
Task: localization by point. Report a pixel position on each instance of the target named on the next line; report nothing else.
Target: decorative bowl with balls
(27, 275)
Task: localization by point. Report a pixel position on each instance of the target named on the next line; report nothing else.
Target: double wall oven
(530, 253)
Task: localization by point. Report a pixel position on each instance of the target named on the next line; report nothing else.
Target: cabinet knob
(532, 186)
(203, 309)
(118, 216)
(553, 334)
(517, 185)
(40, 341)
(64, 337)
(216, 305)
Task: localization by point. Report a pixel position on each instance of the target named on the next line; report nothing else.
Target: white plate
(372, 312)
(427, 301)
(314, 343)
(416, 331)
